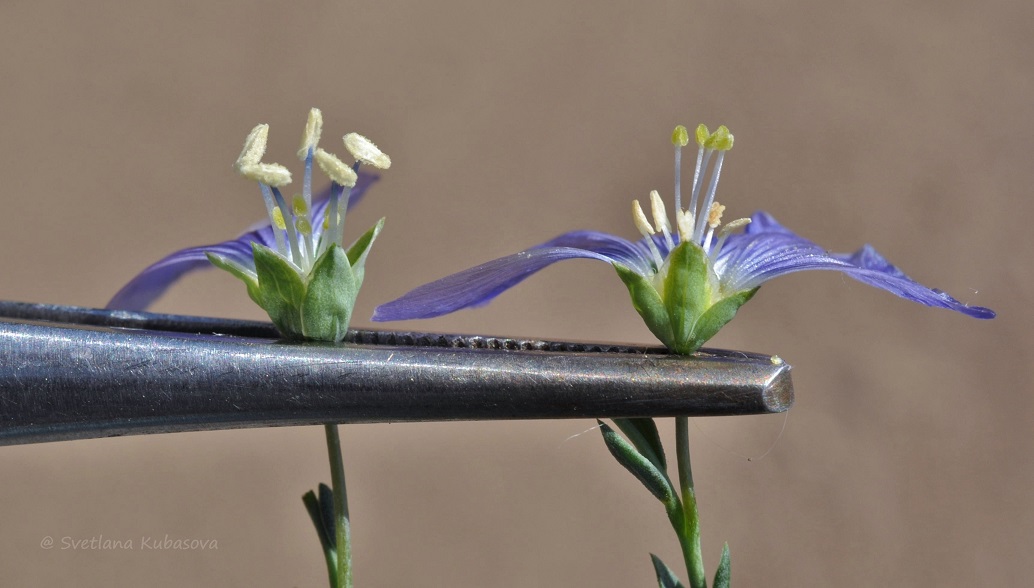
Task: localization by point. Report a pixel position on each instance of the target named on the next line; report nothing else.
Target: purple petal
(477, 286)
(151, 283)
(768, 250)
(635, 256)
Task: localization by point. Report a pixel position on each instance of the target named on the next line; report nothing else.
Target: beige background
(907, 460)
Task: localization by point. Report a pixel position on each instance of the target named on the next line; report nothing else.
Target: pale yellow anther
(254, 147)
(270, 174)
(363, 149)
(680, 136)
(702, 135)
(304, 226)
(278, 218)
(335, 169)
(326, 221)
(684, 220)
(733, 226)
(660, 215)
(299, 206)
(313, 129)
(639, 218)
(714, 215)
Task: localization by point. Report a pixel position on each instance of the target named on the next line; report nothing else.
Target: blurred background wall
(905, 124)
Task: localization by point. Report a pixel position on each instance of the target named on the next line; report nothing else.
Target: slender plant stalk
(689, 534)
(341, 525)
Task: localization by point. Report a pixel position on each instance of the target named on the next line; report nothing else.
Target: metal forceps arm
(72, 373)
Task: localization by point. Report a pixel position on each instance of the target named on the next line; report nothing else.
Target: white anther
(270, 174)
(733, 225)
(714, 216)
(254, 147)
(363, 149)
(335, 168)
(639, 218)
(660, 215)
(313, 129)
(684, 220)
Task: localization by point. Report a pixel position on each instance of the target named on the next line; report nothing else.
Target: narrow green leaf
(642, 432)
(280, 290)
(665, 577)
(312, 505)
(327, 305)
(327, 513)
(647, 302)
(687, 292)
(723, 575)
(317, 512)
(640, 467)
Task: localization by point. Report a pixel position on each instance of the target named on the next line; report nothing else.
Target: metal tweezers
(69, 372)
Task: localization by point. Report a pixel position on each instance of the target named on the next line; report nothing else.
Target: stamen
(304, 226)
(336, 169)
(270, 174)
(292, 234)
(278, 219)
(684, 220)
(732, 226)
(714, 218)
(639, 217)
(311, 136)
(724, 233)
(363, 149)
(299, 206)
(332, 221)
(254, 147)
(660, 218)
(714, 215)
(274, 212)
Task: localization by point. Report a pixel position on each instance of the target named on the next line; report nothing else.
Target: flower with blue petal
(295, 267)
(686, 279)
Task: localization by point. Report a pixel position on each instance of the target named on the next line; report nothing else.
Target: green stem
(341, 525)
(689, 534)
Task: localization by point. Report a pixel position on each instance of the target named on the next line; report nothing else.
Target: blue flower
(147, 286)
(294, 267)
(687, 281)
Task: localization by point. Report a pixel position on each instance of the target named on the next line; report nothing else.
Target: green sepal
(687, 294)
(326, 305)
(723, 574)
(240, 272)
(718, 316)
(642, 433)
(360, 248)
(647, 302)
(665, 577)
(280, 290)
(646, 472)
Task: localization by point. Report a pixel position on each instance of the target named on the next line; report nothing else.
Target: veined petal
(633, 255)
(767, 250)
(477, 286)
(148, 285)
